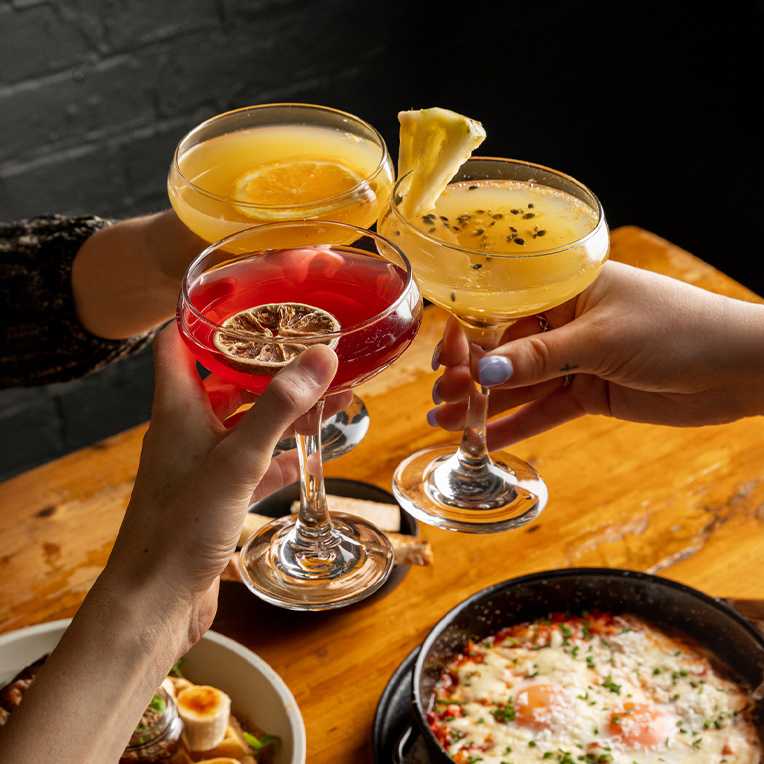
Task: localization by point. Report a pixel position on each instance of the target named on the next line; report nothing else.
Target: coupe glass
(309, 561)
(490, 266)
(227, 175)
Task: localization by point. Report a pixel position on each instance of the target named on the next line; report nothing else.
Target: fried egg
(598, 689)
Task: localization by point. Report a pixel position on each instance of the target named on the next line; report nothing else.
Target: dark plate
(279, 504)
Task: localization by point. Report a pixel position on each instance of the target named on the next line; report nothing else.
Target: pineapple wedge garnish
(434, 144)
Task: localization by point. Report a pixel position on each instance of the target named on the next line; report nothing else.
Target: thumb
(245, 454)
(569, 349)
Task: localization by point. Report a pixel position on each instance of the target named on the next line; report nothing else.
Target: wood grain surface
(687, 504)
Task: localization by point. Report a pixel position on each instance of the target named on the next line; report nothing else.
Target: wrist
(172, 244)
(150, 623)
(740, 354)
(97, 682)
(126, 277)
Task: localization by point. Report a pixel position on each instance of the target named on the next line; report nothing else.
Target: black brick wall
(657, 106)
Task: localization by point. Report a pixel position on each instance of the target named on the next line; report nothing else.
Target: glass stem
(313, 527)
(473, 450)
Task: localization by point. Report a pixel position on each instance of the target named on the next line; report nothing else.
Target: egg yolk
(534, 705)
(638, 726)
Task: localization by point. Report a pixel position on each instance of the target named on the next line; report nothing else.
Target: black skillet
(662, 602)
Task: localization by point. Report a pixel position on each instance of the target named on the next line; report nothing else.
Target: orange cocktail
(279, 162)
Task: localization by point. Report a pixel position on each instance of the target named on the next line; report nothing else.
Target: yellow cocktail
(494, 250)
(504, 240)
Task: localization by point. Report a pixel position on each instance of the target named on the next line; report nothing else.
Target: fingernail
(431, 418)
(436, 399)
(493, 370)
(318, 365)
(435, 354)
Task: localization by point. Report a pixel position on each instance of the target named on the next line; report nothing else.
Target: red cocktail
(356, 289)
(249, 305)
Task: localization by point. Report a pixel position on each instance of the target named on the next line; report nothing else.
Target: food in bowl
(257, 692)
(597, 688)
(211, 731)
(185, 723)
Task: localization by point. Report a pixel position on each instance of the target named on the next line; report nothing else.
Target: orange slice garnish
(295, 183)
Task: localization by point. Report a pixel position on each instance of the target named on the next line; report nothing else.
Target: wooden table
(687, 504)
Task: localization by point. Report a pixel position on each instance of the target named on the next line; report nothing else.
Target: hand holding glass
(248, 305)
(281, 162)
(506, 239)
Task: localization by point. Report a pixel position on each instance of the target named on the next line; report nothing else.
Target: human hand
(641, 347)
(158, 592)
(226, 398)
(197, 478)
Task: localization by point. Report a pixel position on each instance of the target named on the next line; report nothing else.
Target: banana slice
(205, 712)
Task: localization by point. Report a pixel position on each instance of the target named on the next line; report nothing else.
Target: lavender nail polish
(436, 399)
(494, 370)
(431, 420)
(435, 354)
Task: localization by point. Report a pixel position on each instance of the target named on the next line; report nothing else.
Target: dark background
(656, 106)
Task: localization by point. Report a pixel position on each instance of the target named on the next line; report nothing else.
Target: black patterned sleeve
(41, 338)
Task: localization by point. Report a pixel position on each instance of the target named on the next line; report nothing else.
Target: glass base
(351, 564)
(339, 434)
(505, 494)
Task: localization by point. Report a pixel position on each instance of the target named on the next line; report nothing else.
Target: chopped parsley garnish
(505, 713)
(609, 684)
(257, 744)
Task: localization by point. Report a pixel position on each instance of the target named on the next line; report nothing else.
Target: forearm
(88, 698)
(126, 277)
(740, 353)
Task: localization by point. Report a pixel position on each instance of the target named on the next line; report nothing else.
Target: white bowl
(256, 690)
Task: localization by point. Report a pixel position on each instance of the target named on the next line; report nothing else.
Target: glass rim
(500, 254)
(281, 207)
(311, 339)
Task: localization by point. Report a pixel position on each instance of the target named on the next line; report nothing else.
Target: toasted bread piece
(387, 517)
(252, 523)
(411, 550)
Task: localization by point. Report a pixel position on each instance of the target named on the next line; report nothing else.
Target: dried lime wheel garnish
(289, 321)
